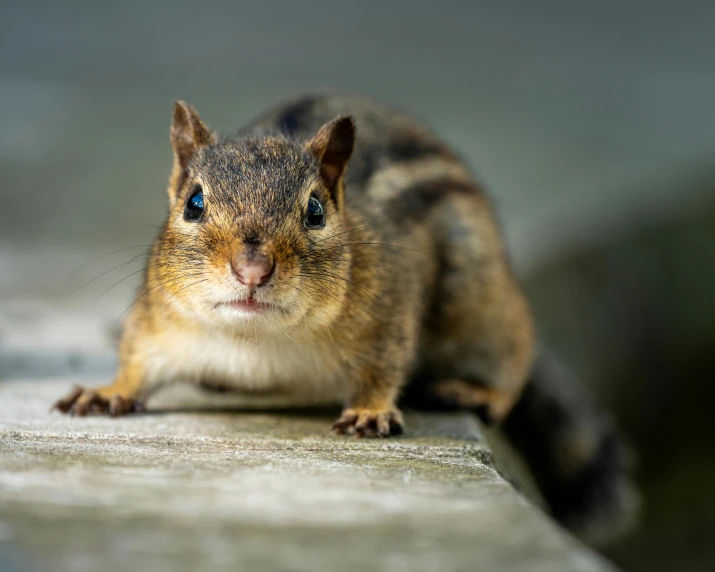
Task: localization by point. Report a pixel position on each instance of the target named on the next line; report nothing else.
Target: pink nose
(254, 272)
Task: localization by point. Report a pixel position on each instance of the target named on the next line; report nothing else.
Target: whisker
(174, 279)
(135, 258)
(290, 337)
(178, 291)
(341, 233)
(159, 276)
(265, 321)
(373, 296)
(144, 269)
(383, 244)
(323, 292)
(105, 255)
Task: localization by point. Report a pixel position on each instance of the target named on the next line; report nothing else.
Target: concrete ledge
(183, 490)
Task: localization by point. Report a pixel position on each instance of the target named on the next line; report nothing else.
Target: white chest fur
(277, 371)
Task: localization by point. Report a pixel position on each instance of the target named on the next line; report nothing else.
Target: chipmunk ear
(188, 134)
(332, 146)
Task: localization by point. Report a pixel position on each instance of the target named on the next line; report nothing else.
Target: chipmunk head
(253, 231)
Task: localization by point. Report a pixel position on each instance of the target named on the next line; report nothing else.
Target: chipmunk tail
(577, 456)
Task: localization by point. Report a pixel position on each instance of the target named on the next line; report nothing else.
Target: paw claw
(397, 427)
(346, 424)
(117, 405)
(383, 425)
(81, 402)
(65, 404)
(369, 423)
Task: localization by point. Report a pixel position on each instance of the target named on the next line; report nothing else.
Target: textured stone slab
(193, 490)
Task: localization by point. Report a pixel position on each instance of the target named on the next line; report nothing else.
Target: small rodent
(336, 250)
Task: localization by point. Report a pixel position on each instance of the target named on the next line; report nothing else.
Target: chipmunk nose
(254, 271)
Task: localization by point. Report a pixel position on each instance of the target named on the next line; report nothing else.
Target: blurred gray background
(591, 122)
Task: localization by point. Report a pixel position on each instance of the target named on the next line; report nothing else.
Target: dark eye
(315, 215)
(195, 205)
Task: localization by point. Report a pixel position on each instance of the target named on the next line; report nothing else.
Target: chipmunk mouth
(248, 305)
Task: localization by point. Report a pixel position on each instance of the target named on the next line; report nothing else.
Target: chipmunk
(336, 250)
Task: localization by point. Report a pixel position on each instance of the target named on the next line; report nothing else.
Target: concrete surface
(214, 489)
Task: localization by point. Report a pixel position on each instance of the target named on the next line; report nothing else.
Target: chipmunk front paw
(101, 401)
(369, 422)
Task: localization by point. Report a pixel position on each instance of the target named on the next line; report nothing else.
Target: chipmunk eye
(314, 215)
(195, 205)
